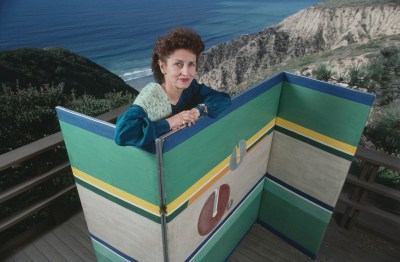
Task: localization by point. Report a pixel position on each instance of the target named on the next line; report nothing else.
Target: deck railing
(370, 204)
(38, 151)
(33, 158)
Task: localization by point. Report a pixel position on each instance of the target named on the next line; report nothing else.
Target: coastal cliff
(316, 29)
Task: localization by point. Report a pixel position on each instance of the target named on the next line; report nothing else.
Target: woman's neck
(173, 94)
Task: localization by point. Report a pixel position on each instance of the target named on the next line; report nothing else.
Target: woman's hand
(184, 118)
(195, 112)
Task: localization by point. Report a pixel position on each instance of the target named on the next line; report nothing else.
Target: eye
(179, 64)
(192, 64)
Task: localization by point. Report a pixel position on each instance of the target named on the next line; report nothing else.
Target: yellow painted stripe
(260, 133)
(117, 192)
(196, 186)
(213, 176)
(208, 185)
(316, 136)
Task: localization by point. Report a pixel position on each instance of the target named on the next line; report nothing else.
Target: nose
(185, 70)
(188, 70)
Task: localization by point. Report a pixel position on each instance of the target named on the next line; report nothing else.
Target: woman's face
(179, 69)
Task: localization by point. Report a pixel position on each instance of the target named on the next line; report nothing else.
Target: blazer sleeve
(134, 128)
(215, 101)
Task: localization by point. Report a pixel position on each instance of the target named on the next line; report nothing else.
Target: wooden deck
(70, 242)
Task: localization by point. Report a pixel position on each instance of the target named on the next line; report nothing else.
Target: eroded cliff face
(315, 29)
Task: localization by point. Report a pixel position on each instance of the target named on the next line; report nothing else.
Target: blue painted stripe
(174, 139)
(288, 240)
(301, 193)
(255, 91)
(180, 136)
(88, 123)
(226, 218)
(339, 91)
(93, 125)
(116, 251)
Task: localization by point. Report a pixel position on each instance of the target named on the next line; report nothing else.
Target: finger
(191, 119)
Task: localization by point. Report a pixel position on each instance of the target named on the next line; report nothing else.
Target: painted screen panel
(209, 173)
(326, 114)
(317, 131)
(219, 245)
(212, 141)
(294, 218)
(118, 188)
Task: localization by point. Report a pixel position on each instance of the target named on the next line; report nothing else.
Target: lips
(184, 80)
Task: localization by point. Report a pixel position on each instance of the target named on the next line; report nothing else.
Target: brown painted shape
(206, 220)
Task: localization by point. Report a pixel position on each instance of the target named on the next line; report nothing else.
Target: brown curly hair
(177, 38)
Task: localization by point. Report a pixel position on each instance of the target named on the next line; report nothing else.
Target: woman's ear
(162, 66)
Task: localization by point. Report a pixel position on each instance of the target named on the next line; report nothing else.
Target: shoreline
(140, 82)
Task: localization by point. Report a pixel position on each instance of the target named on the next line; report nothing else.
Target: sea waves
(135, 74)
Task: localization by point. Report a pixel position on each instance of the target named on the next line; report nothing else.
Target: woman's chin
(183, 85)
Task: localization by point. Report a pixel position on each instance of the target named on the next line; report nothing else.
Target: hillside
(34, 66)
(34, 81)
(329, 26)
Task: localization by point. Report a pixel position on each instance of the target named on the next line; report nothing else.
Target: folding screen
(278, 156)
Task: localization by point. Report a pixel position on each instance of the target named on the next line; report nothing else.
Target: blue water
(119, 34)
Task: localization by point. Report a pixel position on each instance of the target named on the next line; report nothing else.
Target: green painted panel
(104, 254)
(296, 218)
(329, 115)
(127, 168)
(185, 164)
(221, 245)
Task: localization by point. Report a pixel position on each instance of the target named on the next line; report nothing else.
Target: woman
(177, 99)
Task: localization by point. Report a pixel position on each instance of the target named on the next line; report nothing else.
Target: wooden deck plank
(258, 245)
(356, 245)
(81, 239)
(240, 257)
(79, 221)
(22, 257)
(48, 250)
(262, 245)
(74, 244)
(62, 247)
(33, 251)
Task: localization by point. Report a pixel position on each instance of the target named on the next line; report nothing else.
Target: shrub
(322, 72)
(28, 114)
(384, 129)
(349, 38)
(91, 106)
(388, 177)
(382, 74)
(356, 75)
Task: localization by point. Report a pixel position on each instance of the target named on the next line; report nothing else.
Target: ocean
(119, 34)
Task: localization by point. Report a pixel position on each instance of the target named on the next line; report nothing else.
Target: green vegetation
(358, 3)
(34, 81)
(379, 76)
(28, 114)
(322, 72)
(384, 129)
(36, 67)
